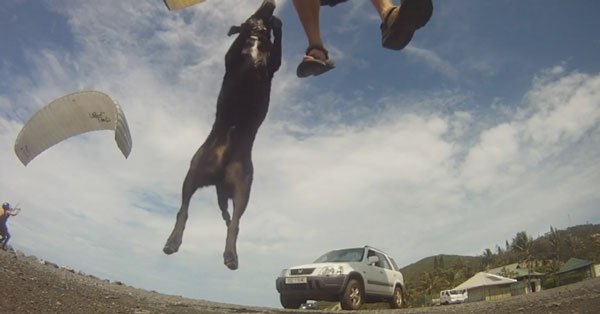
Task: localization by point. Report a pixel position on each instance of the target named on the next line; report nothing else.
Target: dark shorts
(332, 2)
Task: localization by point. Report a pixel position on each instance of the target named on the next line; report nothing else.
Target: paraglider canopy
(72, 115)
(180, 4)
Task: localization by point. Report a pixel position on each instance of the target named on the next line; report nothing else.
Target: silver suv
(352, 276)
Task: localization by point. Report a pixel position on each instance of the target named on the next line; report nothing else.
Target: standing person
(4, 214)
(398, 24)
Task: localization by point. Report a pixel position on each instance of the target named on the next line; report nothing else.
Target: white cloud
(486, 162)
(432, 60)
(566, 107)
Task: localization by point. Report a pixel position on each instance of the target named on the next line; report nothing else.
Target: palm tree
(488, 257)
(523, 243)
(499, 250)
(554, 239)
(574, 243)
(500, 257)
(431, 282)
(449, 277)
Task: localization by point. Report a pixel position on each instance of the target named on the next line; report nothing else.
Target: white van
(453, 296)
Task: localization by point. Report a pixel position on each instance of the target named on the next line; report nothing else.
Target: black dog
(224, 160)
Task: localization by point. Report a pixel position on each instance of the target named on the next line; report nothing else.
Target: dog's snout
(265, 11)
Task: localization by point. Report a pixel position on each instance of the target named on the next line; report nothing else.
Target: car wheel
(353, 295)
(289, 303)
(397, 300)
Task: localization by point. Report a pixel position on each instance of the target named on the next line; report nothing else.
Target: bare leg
(382, 7)
(308, 13)
(399, 23)
(316, 61)
(5, 238)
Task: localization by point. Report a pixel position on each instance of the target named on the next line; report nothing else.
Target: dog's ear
(234, 30)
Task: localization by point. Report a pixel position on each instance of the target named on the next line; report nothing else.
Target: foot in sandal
(315, 62)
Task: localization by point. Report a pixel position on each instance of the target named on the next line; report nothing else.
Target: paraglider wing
(180, 4)
(68, 116)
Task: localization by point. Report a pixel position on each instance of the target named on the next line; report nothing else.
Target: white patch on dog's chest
(254, 48)
(254, 52)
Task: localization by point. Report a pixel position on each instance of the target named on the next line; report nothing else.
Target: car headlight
(332, 271)
(284, 273)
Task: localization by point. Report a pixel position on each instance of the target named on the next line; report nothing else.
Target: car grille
(302, 271)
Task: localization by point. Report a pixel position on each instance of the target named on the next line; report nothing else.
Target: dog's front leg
(275, 55)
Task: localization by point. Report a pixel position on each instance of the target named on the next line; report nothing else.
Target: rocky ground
(30, 285)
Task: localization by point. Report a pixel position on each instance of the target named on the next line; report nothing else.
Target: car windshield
(347, 255)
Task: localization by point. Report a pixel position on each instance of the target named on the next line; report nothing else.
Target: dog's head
(256, 31)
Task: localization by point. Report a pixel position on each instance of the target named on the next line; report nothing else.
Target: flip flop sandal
(412, 15)
(313, 66)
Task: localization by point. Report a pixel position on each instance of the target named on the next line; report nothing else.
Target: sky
(486, 124)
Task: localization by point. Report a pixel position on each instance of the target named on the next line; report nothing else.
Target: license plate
(295, 280)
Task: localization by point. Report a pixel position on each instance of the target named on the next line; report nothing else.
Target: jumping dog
(225, 158)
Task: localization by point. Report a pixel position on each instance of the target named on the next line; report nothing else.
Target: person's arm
(14, 211)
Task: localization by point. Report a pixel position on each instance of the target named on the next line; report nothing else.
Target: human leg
(3, 232)
(5, 238)
(309, 14)
(399, 23)
(316, 60)
(383, 7)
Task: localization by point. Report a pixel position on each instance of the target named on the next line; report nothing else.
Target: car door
(389, 273)
(376, 278)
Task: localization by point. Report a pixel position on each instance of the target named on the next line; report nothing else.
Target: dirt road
(28, 285)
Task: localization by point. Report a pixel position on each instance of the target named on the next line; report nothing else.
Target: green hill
(547, 253)
(413, 272)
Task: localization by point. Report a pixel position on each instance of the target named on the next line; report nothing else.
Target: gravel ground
(28, 285)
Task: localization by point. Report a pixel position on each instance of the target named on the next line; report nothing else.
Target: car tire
(353, 296)
(397, 300)
(289, 303)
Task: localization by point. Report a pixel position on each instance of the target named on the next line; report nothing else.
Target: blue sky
(487, 124)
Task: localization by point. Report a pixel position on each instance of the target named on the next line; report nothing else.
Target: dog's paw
(230, 260)
(171, 246)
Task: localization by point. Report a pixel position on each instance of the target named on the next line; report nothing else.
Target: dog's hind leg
(242, 180)
(190, 185)
(223, 199)
(201, 173)
(204, 168)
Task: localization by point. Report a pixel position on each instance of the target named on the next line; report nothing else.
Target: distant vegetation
(546, 254)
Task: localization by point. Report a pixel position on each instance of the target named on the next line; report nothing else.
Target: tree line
(545, 254)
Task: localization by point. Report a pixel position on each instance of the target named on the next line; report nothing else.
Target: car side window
(369, 254)
(383, 262)
(394, 265)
